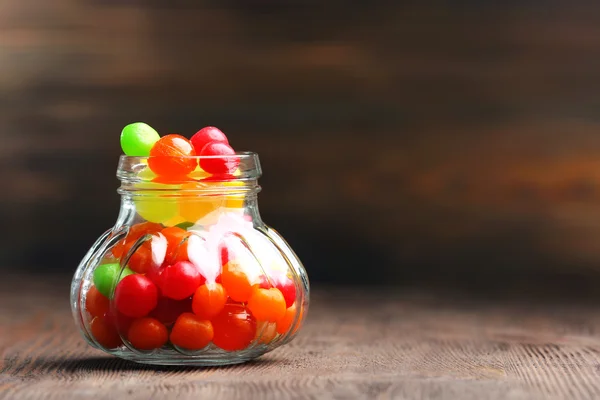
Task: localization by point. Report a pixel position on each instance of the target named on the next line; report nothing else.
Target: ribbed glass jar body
(189, 274)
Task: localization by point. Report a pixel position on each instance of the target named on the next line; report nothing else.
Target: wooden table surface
(356, 344)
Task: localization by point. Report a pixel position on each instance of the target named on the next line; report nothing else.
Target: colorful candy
(267, 304)
(236, 282)
(156, 208)
(96, 303)
(288, 289)
(176, 244)
(190, 332)
(107, 276)
(172, 156)
(135, 232)
(180, 280)
(209, 300)
(234, 328)
(147, 334)
(167, 310)
(137, 139)
(105, 333)
(149, 254)
(193, 208)
(136, 296)
(206, 135)
(193, 276)
(284, 324)
(266, 331)
(226, 164)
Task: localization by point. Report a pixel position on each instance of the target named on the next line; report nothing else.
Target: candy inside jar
(189, 274)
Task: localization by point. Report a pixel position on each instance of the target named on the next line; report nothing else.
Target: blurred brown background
(451, 141)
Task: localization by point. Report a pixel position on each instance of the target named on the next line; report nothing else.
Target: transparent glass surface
(189, 274)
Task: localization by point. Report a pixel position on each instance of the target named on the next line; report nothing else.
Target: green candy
(138, 138)
(105, 277)
(185, 225)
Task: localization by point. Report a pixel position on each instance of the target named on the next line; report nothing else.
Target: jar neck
(197, 208)
(192, 196)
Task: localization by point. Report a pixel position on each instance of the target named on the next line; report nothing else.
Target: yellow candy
(194, 207)
(156, 209)
(176, 220)
(234, 201)
(198, 173)
(146, 174)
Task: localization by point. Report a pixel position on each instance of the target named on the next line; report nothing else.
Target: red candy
(207, 135)
(147, 334)
(263, 282)
(288, 289)
(180, 280)
(171, 156)
(136, 296)
(234, 328)
(117, 319)
(225, 255)
(155, 275)
(105, 333)
(167, 310)
(218, 165)
(95, 303)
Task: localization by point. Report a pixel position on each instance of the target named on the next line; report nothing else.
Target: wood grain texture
(365, 344)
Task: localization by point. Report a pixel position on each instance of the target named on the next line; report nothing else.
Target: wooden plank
(356, 344)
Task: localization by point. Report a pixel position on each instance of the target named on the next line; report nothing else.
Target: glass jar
(189, 274)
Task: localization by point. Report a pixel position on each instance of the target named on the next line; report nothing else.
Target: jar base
(203, 360)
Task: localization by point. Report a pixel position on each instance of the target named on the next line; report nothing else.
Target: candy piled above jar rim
(173, 156)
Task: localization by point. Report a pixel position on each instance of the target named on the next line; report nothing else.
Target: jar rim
(241, 155)
(135, 169)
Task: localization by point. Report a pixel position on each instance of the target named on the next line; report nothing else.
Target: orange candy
(135, 232)
(176, 244)
(234, 328)
(236, 282)
(284, 324)
(300, 316)
(191, 332)
(96, 303)
(147, 334)
(209, 300)
(266, 331)
(105, 333)
(267, 304)
(172, 155)
(141, 260)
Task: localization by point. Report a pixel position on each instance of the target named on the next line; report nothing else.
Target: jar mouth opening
(243, 166)
(242, 156)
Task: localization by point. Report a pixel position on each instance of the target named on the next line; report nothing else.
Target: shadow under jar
(189, 274)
